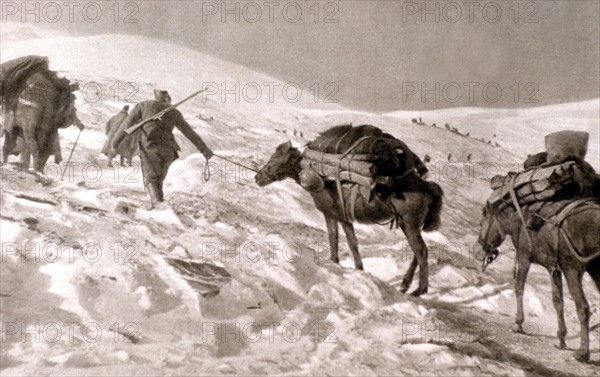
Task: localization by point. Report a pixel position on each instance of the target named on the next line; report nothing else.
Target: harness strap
(353, 197)
(513, 196)
(337, 145)
(338, 182)
(574, 251)
(565, 213)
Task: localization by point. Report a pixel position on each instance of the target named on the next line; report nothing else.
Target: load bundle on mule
(13, 75)
(559, 173)
(362, 155)
(35, 104)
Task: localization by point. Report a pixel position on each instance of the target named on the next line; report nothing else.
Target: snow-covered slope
(230, 278)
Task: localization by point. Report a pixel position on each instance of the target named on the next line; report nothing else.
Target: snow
(236, 243)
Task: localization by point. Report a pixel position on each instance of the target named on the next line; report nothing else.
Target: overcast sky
(380, 54)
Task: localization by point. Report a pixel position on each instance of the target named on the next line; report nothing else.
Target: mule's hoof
(360, 267)
(404, 288)
(418, 292)
(561, 346)
(581, 356)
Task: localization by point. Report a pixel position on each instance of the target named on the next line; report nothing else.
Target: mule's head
(491, 235)
(284, 163)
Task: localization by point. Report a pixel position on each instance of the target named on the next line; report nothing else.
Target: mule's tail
(593, 268)
(433, 219)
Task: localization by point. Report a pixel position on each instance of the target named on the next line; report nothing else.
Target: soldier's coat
(158, 147)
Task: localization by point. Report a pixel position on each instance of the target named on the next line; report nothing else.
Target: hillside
(520, 131)
(233, 279)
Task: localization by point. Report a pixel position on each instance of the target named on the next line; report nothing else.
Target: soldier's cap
(74, 86)
(162, 95)
(126, 108)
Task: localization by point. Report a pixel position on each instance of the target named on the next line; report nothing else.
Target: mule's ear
(287, 146)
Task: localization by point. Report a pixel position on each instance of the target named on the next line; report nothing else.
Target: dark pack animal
(565, 241)
(36, 102)
(44, 105)
(414, 204)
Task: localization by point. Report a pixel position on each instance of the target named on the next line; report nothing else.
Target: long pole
(70, 155)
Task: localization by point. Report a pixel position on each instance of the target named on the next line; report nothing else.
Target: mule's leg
(30, 143)
(557, 300)
(332, 232)
(25, 158)
(413, 235)
(56, 150)
(43, 156)
(522, 271)
(410, 273)
(353, 244)
(574, 281)
(5, 147)
(10, 142)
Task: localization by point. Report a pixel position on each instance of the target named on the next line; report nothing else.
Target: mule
(37, 115)
(547, 247)
(415, 210)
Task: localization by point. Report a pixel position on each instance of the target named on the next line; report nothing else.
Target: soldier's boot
(154, 192)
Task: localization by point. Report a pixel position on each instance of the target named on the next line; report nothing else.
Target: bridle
(491, 252)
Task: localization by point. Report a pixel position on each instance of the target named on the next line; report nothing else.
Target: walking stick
(71, 155)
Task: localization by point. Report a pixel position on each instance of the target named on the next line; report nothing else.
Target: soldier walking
(157, 146)
(127, 148)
